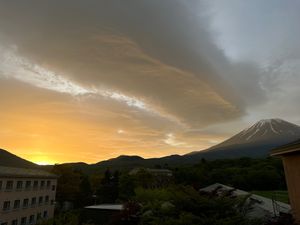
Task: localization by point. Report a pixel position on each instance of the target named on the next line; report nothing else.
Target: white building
(26, 195)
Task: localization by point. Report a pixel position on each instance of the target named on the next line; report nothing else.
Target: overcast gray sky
(152, 78)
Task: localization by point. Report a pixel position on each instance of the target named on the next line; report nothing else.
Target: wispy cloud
(15, 66)
(172, 141)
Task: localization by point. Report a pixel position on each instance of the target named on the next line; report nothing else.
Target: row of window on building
(25, 203)
(27, 185)
(32, 219)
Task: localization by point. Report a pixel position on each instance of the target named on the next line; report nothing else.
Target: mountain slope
(255, 141)
(11, 160)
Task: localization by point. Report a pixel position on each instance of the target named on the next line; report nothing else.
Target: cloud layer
(168, 74)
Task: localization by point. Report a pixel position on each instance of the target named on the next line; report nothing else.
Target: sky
(91, 80)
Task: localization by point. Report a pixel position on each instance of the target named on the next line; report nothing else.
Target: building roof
(24, 173)
(290, 148)
(153, 171)
(222, 187)
(261, 204)
(118, 207)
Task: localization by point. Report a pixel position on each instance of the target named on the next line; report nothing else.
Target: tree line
(177, 201)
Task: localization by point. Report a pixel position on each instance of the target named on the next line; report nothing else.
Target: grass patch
(281, 196)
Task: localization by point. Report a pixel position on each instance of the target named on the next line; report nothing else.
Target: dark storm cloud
(158, 51)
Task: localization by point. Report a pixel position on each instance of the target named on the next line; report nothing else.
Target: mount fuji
(255, 141)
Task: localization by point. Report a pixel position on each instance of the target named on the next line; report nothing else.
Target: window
(45, 214)
(14, 222)
(52, 202)
(41, 200)
(46, 199)
(23, 220)
(33, 201)
(53, 187)
(19, 185)
(4, 223)
(35, 184)
(1, 184)
(42, 184)
(25, 203)
(38, 216)
(48, 183)
(17, 204)
(9, 185)
(31, 219)
(28, 184)
(6, 205)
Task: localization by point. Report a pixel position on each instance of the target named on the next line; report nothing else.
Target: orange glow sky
(91, 80)
(63, 129)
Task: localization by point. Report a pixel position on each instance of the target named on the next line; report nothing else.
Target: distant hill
(255, 141)
(11, 160)
(122, 160)
(125, 162)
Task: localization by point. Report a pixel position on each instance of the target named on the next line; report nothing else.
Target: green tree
(108, 190)
(126, 187)
(68, 187)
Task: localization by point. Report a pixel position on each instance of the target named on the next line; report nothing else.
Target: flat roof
(118, 207)
(24, 173)
(290, 148)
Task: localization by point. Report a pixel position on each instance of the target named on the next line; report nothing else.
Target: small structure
(261, 206)
(155, 172)
(26, 195)
(109, 207)
(290, 155)
(102, 214)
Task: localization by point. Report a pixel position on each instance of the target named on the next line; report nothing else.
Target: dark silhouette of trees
(108, 191)
(245, 173)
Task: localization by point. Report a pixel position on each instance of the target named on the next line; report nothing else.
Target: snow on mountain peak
(258, 139)
(267, 128)
(268, 121)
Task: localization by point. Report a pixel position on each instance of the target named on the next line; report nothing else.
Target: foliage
(69, 218)
(73, 186)
(112, 186)
(176, 201)
(126, 187)
(243, 173)
(108, 190)
(285, 219)
(68, 187)
(186, 206)
(281, 196)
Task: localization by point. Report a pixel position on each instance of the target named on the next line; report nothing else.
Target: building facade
(26, 196)
(290, 155)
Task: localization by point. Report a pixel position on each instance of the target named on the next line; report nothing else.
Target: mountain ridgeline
(256, 142)
(9, 159)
